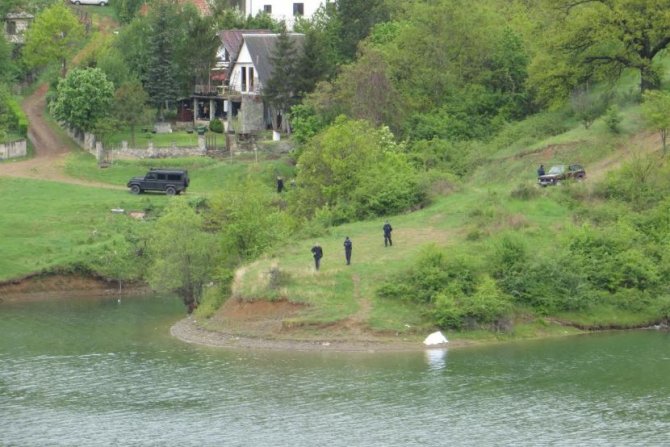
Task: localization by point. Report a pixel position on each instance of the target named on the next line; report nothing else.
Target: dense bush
(454, 292)
(356, 171)
(216, 125)
(485, 306)
(641, 182)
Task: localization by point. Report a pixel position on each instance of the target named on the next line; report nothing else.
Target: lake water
(96, 372)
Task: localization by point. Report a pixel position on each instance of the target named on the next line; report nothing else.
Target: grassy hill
(500, 198)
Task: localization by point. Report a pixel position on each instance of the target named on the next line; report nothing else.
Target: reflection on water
(436, 358)
(100, 373)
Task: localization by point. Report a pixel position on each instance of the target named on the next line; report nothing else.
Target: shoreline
(187, 330)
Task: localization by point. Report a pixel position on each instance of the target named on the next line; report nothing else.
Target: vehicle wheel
(102, 3)
(135, 189)
(170, 191)
(77, 3)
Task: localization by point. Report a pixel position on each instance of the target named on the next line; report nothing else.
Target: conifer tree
(280, 92)
(160, 79)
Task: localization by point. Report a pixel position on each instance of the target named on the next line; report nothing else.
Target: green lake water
(97, 372)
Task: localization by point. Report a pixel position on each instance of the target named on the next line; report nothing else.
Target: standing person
(347, 249)
(280, 184)
(387, 234)
(540, 171)
(317, 252)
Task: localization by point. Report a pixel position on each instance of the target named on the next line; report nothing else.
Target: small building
(15, 26)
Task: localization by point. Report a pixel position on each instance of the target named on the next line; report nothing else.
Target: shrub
(485, 306)
(432, 273)
(216, 125)
(613, 119)
(525, 191)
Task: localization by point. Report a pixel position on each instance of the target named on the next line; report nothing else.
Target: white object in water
(436, 338)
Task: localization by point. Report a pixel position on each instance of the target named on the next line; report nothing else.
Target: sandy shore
(189, 331)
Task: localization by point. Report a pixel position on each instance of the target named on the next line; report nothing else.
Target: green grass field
(45, 224)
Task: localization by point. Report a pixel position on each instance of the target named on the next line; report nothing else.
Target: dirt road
(50, 147)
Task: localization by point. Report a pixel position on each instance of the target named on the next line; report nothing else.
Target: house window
(298, 9)
(243, 73)
(267, 9)
(11, 28)
(251, 79)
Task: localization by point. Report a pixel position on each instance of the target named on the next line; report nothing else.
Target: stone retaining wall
(14, 149)
(88, 142)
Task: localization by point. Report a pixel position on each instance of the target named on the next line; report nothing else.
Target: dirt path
(51, 148)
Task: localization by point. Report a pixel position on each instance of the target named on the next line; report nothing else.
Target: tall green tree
(83, 97)
(599, 39)
(129, 106)
(354, 170)
(161, 75)
(184, 256)
(356, 19)
(53, 37)
(656, 113)
(132, 44)
(197, 43)
(313, 63)
(127, 9)
(248, 221)
(111, 61)
(281, 89)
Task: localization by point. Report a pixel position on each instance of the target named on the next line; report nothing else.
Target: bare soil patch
(40, 286)
(51, 148)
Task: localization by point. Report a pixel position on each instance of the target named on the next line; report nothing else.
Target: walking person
(317, 252)
(387, 234)
(347, 249)
(280, 184)
(540, 171)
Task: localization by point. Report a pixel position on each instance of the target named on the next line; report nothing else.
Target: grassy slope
(462, 222)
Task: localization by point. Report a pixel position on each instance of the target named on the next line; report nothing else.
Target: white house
(253, 66)
(250, 72)
(286, 10)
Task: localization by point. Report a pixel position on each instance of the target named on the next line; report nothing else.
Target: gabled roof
(261, 47)
(232, 39)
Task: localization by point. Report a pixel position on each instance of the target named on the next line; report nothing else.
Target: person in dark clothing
(540, 171)
(280, 184)
(317, 252)
(347, 249)
(387, 234)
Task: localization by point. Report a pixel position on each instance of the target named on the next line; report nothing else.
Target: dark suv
(561, 172)
(171, 181)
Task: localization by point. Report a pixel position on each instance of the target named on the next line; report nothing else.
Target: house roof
(232, 39)
(261, 47)
(19, 15)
